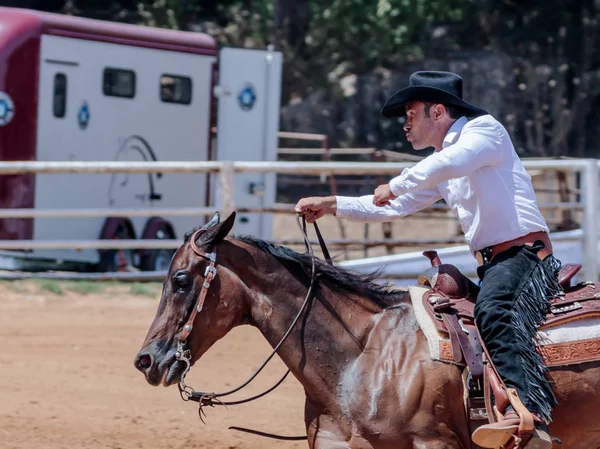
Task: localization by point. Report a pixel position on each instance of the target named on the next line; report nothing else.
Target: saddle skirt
(571, 334)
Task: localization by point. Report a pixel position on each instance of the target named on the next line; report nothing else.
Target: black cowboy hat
(431, 87)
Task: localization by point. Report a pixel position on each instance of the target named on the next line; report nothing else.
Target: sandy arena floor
(67, 379)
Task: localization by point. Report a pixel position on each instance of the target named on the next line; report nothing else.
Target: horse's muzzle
(158, 369)
(143, 362)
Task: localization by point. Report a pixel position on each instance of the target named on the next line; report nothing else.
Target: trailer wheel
(158, 259)
(118, 260)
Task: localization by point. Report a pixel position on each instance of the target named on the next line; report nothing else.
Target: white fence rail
(589, 170)
(298, 168)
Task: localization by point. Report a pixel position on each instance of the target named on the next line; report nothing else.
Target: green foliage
(550, 96)
(182, 14)
(160, 13)
(323, 40)
(556, 67)
(51, 286)
(366, 34)
(86, 287)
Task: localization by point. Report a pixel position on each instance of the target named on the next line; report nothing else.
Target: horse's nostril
(143, 362)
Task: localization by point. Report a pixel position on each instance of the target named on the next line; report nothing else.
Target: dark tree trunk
(291, 20)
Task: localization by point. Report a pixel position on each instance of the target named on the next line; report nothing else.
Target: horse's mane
(341, 281)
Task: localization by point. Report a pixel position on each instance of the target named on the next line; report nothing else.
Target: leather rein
(183, 353)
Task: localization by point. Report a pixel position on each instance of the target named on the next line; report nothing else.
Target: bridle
(183, 353)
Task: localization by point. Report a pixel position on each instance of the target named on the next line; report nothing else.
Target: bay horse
(357, 350)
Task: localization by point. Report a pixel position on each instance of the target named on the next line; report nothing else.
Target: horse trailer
(75, 89)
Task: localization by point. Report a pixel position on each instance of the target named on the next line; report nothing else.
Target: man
(476, 170)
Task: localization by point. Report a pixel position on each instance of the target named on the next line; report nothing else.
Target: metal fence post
(589, 225)
(227, 190)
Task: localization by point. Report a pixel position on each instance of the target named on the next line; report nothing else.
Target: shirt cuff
(398, 186)
(344, 206)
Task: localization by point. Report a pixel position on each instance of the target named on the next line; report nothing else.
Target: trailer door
(248, 121)
(63, 115)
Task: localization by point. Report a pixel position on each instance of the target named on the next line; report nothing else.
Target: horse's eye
(182, 280)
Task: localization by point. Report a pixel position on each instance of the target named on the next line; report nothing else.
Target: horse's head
(191, 316)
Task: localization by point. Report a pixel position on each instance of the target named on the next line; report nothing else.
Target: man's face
(419, 128)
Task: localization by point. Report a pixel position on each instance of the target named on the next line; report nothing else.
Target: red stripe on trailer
(118, 33)
(19, 73)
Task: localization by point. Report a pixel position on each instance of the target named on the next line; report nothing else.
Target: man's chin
(420, 147)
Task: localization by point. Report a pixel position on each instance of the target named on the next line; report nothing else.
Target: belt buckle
(486, 255)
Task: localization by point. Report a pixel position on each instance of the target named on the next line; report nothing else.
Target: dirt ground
(67, 378)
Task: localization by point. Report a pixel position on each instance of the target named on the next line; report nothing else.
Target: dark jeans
(512, 303)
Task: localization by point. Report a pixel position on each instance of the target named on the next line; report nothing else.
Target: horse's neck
(330, 334)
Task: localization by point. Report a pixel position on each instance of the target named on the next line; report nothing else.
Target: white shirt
(478, 173)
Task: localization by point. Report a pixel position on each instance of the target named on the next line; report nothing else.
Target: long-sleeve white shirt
(478, 173)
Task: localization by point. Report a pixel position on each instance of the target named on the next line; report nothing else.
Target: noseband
(183, 353)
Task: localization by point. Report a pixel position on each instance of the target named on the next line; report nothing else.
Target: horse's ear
(216, 218)
(225, 227)
(217, 232)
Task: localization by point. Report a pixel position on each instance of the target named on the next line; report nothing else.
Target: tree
(557, 70)
(550, 96)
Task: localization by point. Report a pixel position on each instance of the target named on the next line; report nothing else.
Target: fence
(226, 170)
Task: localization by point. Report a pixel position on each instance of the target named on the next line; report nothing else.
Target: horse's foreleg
(327, 432)
(436, 443)
(321, 431)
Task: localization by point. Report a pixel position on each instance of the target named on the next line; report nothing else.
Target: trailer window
(119, 83)
(59, 103)
(175, 89)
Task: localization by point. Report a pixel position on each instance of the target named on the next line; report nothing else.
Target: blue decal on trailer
(247, 97)
(83, 116)
(7, 109)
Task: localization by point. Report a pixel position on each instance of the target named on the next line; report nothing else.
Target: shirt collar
(454, 132)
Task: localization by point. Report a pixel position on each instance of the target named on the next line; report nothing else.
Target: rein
(183, 353)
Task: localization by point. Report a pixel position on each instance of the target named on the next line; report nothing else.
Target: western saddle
(450, 301)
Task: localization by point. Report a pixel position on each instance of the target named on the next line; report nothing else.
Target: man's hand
(314, 207)
(383, 195)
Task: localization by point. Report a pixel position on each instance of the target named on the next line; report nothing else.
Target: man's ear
(217, 231)
(438, 111)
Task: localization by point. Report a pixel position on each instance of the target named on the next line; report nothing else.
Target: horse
(358, 351)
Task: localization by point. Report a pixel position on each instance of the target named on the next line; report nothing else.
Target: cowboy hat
(431, 87)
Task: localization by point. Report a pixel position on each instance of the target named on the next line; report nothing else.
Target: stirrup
(498, 434)
(527, 426)
(519, 431)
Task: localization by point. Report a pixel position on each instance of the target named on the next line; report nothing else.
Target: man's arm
(362, 208)
(477, 147)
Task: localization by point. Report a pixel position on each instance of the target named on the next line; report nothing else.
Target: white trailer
(75, 89)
